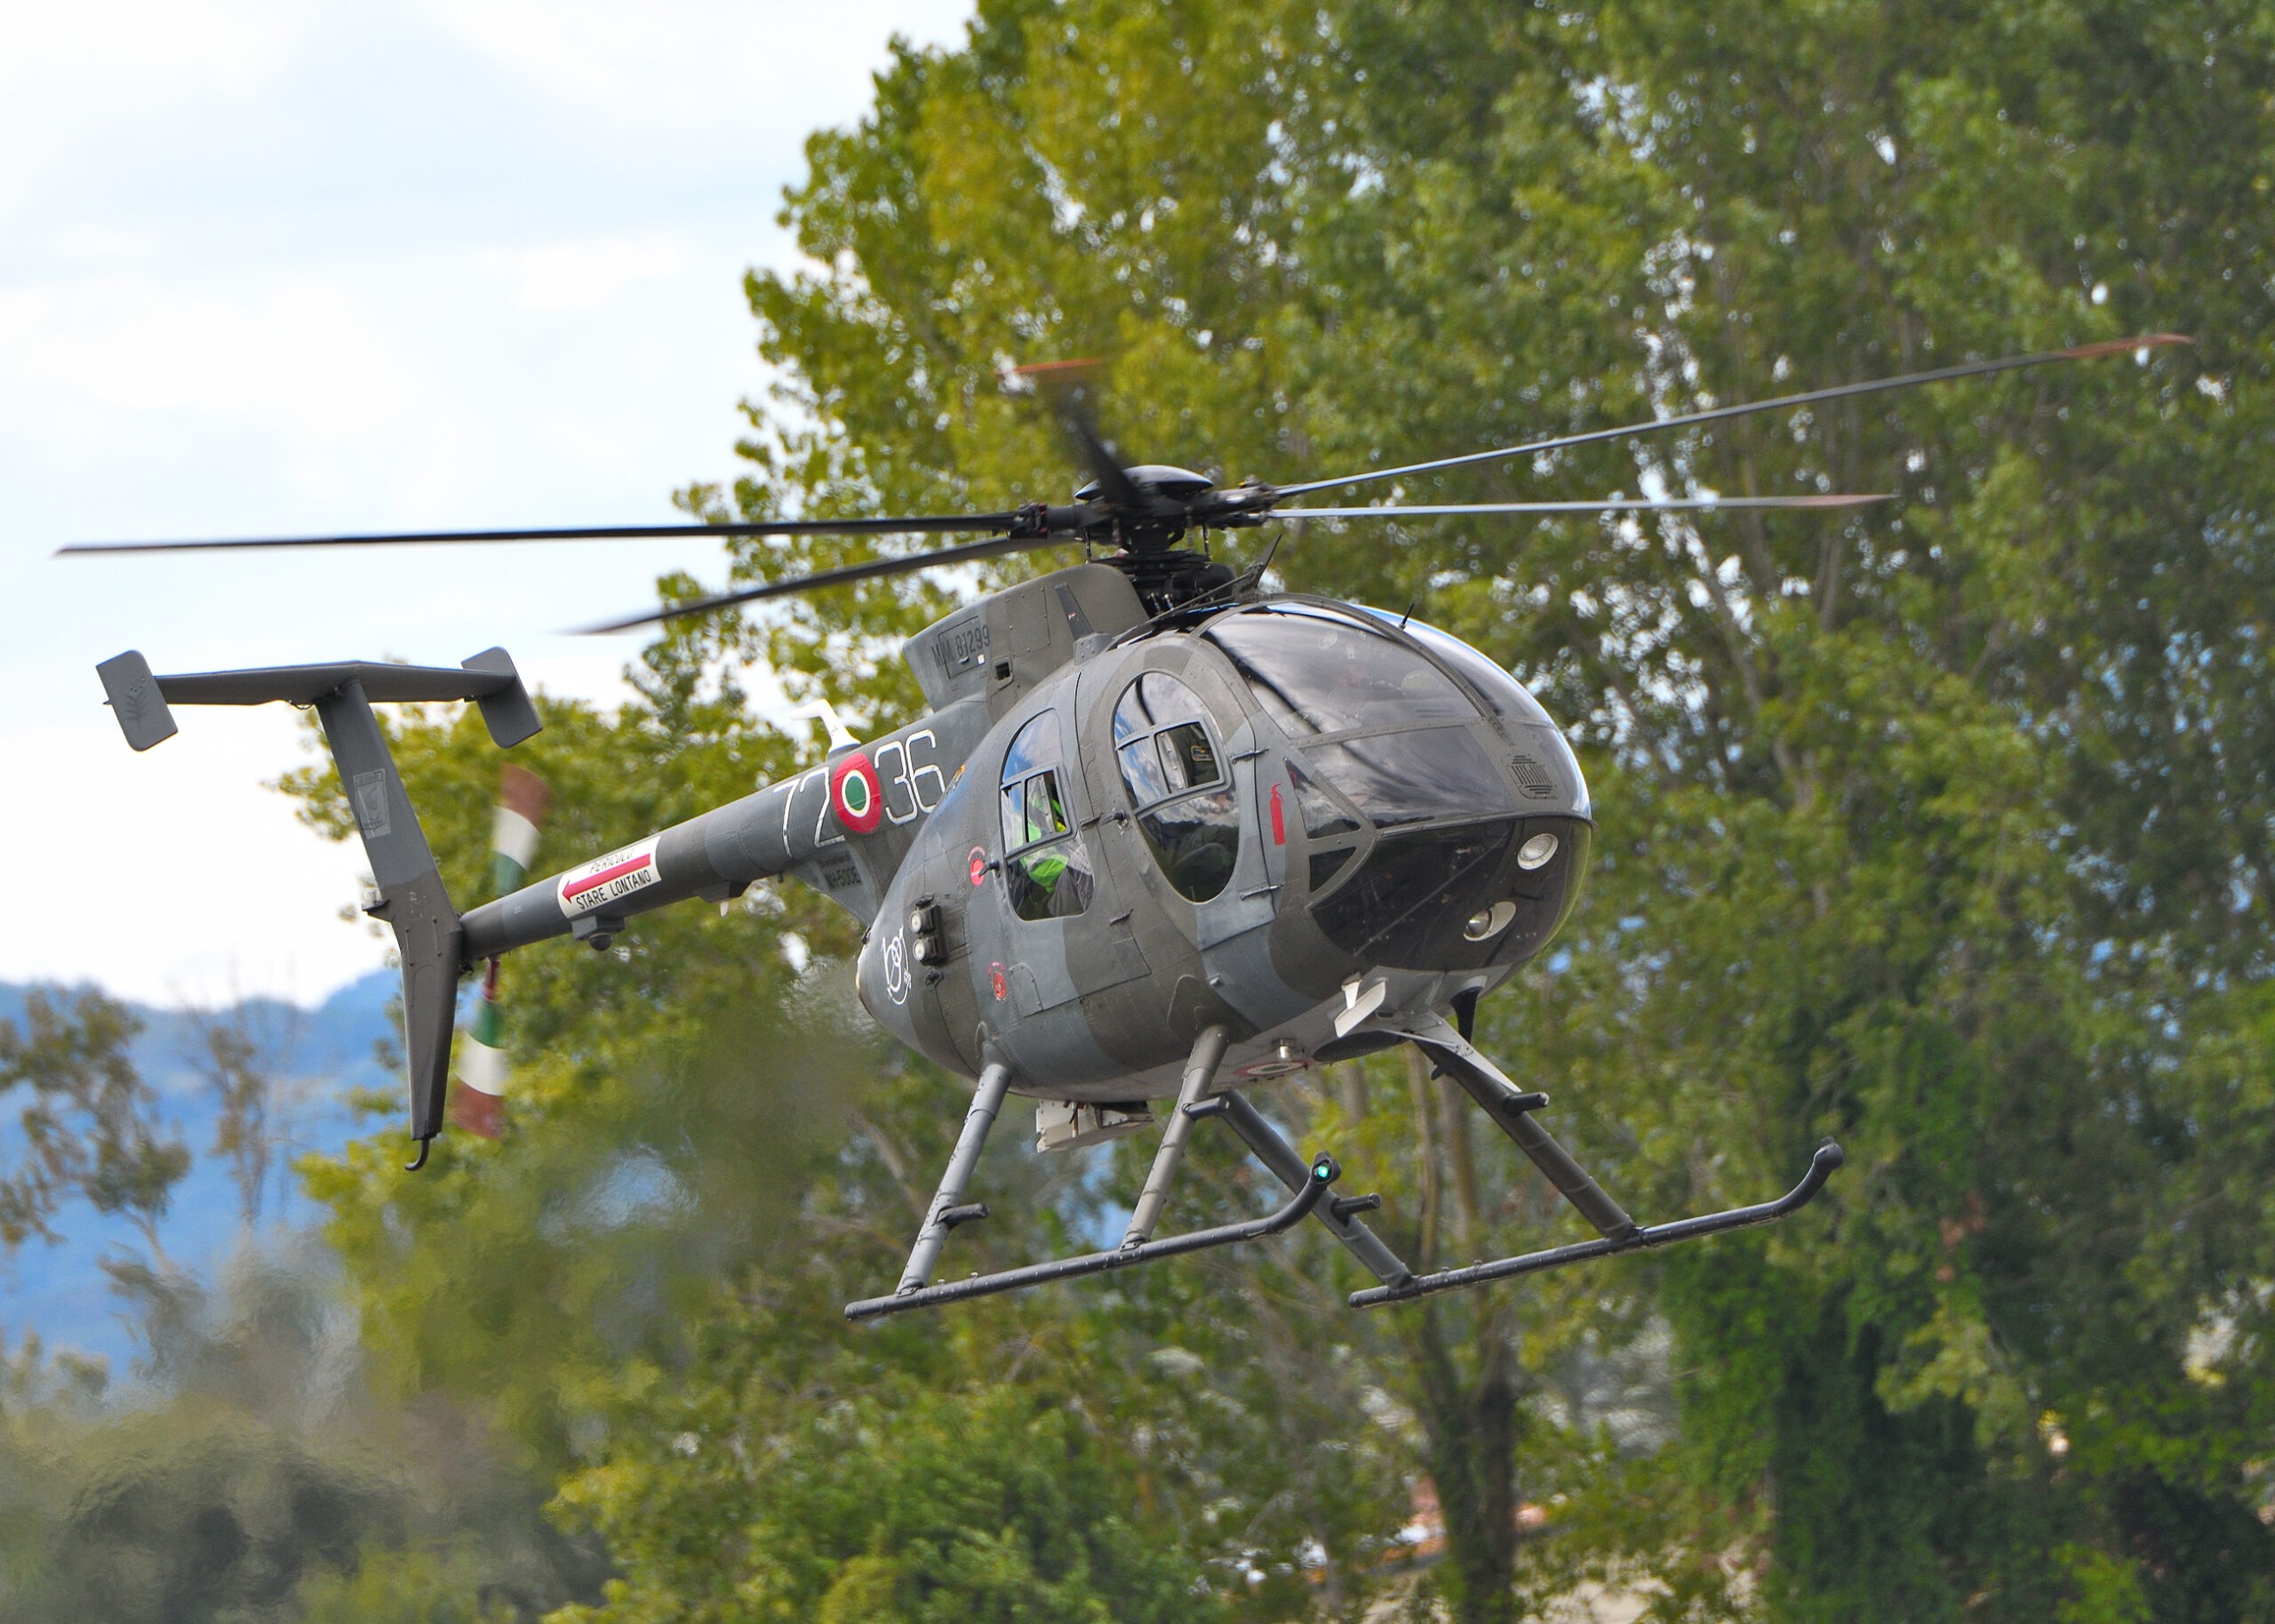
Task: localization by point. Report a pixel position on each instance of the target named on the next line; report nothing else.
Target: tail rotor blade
(1065, 387)
(479, 1104)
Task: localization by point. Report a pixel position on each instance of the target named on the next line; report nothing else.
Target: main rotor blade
(1613, 504)
(1973, 369)
(870, 571)
(910, 526)
(1064, 384)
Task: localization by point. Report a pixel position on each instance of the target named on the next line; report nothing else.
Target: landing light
(1490, 921)
(1535, 851)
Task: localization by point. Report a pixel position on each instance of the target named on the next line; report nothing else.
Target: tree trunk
(1471, 1420)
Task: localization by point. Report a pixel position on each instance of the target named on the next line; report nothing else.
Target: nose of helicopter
(1458, 896)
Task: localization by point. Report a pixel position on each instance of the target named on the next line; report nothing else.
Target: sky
(272, 266)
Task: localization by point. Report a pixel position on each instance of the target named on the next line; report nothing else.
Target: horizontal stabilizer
(136, 700)
(489, 679)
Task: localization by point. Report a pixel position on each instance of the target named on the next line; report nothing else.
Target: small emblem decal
(855, 795)
(978, 865)
(896, 966)
(611, 879)
(371, 804)
(995, 979)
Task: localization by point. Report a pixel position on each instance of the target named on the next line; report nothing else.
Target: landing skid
(1821, 1166)
(1307, 1186)
(1323, 1173)
(1512, 1111)
(1509, 1109)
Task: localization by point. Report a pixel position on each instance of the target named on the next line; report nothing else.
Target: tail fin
(411, 897)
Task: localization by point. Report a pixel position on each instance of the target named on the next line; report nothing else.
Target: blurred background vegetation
(1944, 828)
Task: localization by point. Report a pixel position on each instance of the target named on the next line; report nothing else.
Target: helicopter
(1162, 837)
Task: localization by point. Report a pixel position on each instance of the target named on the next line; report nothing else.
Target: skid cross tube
(1280, 1159)
(1324, 1172)
(1828, 1157)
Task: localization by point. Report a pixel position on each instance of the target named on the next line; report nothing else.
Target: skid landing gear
(1308, 1185)
(1308, 1188)
(1511, 1109)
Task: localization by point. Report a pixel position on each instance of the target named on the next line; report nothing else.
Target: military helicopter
(1164, 836)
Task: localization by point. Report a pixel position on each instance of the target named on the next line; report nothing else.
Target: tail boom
(716, 856)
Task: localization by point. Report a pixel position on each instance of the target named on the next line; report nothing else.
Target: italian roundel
(855, 795)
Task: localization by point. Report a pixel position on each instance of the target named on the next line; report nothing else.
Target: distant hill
(327, 1050)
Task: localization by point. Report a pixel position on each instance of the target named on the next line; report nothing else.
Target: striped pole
(480, 1105)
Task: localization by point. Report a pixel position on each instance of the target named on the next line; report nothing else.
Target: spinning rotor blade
(478, 1103)
(876, 568)
(1613, 504)
(910, 526)
(1064, 385)
(1973, 369)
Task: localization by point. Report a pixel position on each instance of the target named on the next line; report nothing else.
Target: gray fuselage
(1297, 819)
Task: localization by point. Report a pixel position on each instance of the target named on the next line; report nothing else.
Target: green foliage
(400, 1586)
(899, 1504)
(195, 1518)
(87, 1126)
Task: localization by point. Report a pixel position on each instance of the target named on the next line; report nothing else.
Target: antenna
(841, 736)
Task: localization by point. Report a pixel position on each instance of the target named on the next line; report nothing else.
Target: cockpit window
(1318, 672)
(1045, 869)
(1323, 818)
(1176, 778)
(1398, 778)
(1502, 691)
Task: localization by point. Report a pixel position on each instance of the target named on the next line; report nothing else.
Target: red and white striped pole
(479, 1106)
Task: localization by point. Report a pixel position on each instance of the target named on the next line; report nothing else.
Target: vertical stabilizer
(410, 898)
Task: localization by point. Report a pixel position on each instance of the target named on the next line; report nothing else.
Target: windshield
(1318, 672)
(1502, 691)
(1413, 778)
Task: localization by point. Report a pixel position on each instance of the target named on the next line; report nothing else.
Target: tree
(1905, 834)
(86, 1119)
(254, 1475)
(242, 1052)
(1940, 827)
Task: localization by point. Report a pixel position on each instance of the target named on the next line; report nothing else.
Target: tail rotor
(478, 1105)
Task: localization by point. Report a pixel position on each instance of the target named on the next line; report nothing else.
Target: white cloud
(141, 46)
(170, 873)
(687, 61)
(550, 277)
(297, 352)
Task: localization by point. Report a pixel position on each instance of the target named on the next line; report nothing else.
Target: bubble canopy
(1321, 670)
(1503, 692)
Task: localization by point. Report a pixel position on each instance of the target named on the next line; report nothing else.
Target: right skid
(1512, 1111)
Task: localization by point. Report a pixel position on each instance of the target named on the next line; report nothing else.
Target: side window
(1045, 870)
(1183, 800)
(1332, 831)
